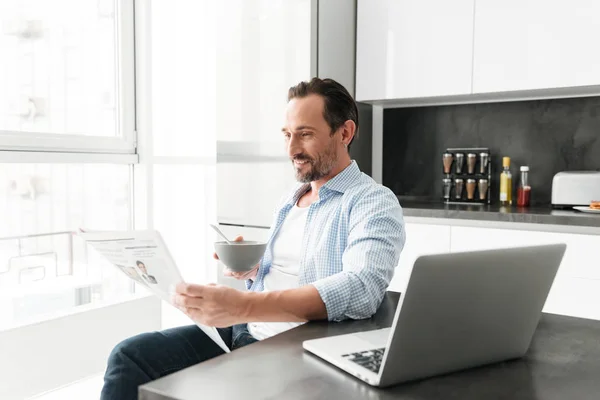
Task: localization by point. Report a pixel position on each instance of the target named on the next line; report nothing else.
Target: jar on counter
(524, 189)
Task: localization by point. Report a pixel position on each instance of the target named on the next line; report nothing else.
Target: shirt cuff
(334, 293)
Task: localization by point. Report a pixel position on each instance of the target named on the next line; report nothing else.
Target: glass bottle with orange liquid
(506, 183)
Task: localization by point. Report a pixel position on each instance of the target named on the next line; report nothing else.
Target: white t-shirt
(287, 250)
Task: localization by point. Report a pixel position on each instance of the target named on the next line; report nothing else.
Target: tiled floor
(85, 389)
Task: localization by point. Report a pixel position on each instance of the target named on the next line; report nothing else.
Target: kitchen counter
(563, 362)
(498, 214)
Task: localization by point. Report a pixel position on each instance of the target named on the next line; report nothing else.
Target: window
(66, 78)
(63, 101)
(67, 157)
(44, 268)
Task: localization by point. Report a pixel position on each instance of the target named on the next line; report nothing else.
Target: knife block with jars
(467, 175)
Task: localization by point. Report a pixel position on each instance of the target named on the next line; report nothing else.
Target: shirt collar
(339, 183)
(345, 179)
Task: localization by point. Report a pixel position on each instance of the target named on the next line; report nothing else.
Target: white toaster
(575, 188)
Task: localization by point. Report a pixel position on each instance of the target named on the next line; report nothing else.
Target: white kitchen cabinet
(576, 297)
(413, 48)
(263, 50)
(535, 44)
(421, 239)
(471, 239)
(576, 288)
(581, 260)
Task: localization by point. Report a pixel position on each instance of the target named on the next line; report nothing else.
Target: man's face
(311, 147)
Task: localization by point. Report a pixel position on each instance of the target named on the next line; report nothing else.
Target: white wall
(70, 349)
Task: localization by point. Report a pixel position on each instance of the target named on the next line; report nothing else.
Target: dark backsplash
(547, 135)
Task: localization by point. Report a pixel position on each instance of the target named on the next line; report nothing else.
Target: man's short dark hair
(139, 262)
(339, 105)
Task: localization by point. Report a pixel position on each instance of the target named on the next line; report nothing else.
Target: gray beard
(312, 175)
(318, 170)
(320, 167)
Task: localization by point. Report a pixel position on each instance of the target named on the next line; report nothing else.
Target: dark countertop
(497, 213)
(563, 362)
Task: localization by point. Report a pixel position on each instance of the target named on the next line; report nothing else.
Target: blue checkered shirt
(353, 237)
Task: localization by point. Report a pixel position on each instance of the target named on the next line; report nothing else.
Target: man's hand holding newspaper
(144, 257)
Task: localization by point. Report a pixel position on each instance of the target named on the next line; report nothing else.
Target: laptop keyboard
(370, 359)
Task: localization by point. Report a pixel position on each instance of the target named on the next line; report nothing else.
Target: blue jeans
(149, 356)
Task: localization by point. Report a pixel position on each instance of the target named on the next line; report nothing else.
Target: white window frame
(68, 143)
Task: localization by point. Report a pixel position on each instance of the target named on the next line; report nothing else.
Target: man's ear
(348, 132)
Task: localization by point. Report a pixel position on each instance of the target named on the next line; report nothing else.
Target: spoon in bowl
(221, 233)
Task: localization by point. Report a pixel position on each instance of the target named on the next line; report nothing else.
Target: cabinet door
(421, 239)
(581, 258)
(575, 297)
(576, 288)
(263, 49)
(413, 48)
(534, 44)
(472, 239)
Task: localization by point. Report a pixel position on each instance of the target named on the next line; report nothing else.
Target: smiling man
(335, 242)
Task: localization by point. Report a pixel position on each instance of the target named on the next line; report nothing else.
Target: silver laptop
(459, 310)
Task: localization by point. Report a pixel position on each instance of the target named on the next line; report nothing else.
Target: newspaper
(143, 256)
